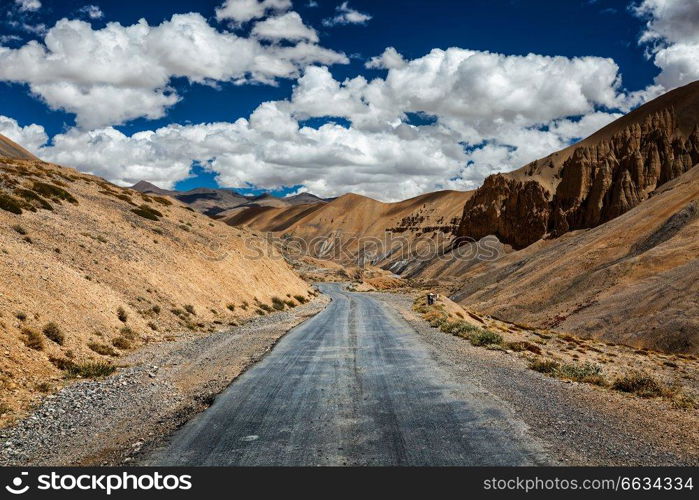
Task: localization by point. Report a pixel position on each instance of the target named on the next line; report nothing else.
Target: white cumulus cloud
(490, 112)
(390, 59)
(28, 5)
(344, 14)
(288, 26)
(119, 73)
(92, 11)
(241, 11)
(31, 137)
(672, 38)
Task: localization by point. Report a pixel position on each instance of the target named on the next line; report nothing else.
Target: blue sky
(624, 44)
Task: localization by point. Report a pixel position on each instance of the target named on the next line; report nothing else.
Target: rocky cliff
(593, 182)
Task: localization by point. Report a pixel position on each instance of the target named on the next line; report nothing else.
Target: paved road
(352, 386)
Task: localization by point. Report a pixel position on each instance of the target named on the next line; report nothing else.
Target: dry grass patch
(102, 349)
(277, 303)
(89, 369)
(54, 333)
(10, 204)
(122, 314)
(121, 343)
(33, 339)
(147, 212)
(485, 338)
(641, 384)
(54, 192)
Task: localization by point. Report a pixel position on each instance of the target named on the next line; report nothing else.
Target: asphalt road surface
(352, 386)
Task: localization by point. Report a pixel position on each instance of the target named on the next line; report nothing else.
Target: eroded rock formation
(596, 183)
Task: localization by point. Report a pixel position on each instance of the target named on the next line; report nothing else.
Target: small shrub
(586, 372)
(301, 299)
(54, 333)
(190, 309)
(260, 312)
(435, 318)
(60, 363)
(231, 307)
(90, 369)
(44, 387)
(153, 326)
(32, 196)
(459, 328)
(523, 346)
(156, 309)
(245, 305)
(266, 308)
(485, 337)
(290, 303)
(278, 303)
(122, 315)
(21, 316)
(33, 339)
(639, 383)
(544, 365)
(102, 349)
(147, 212)
(54, 192)
(161, 200)
(128, 333)
(10, 204)
(19, 229)
(684, 401)
(121, 343)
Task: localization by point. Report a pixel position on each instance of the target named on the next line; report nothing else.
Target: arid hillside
(593, 181)
(352, 228)
(89, 271)
(633, 280)
(10, 149)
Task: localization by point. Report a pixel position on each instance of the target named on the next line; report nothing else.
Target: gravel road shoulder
(581, 424)
(107, 422)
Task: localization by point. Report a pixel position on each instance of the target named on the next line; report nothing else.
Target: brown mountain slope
(632, 280)
(593, 181)
(78, 255)
(10, 149)
(351, 221)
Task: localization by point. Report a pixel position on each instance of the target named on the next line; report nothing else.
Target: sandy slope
(77, 264)
(632, 280)
(10, 149)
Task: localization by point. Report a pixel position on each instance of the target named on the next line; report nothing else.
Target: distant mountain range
(222, 203)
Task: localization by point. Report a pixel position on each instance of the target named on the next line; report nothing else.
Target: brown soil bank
(89, 271)
(633, 280)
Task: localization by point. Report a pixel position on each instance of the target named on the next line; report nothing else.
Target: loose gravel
(581, 424)
(109, 421)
